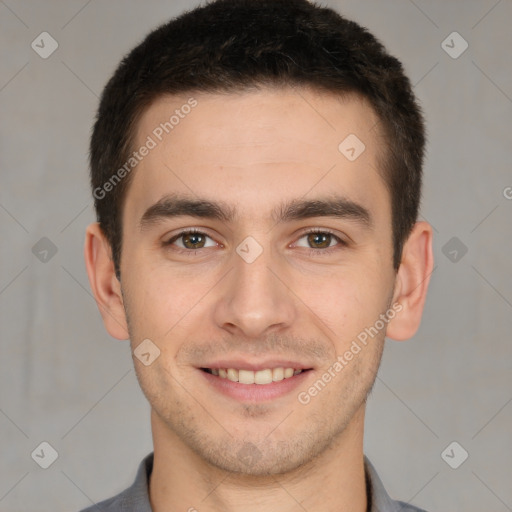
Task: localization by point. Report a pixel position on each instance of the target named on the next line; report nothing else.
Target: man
(256, 168)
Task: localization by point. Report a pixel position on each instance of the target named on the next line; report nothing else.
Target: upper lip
(244, 364)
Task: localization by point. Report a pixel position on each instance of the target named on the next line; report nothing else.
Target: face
(288, 265)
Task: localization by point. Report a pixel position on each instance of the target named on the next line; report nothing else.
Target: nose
(255, 299)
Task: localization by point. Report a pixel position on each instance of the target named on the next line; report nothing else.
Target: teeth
(266, 376)
(277, 374)
(245, 376)
(288, 372)
(262, 377)
(233, 374)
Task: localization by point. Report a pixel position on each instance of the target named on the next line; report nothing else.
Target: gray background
(65, 381)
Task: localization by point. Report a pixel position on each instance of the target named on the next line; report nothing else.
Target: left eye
(320, 240)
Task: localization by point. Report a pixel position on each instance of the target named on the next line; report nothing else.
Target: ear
(104, 283)
(411, 282)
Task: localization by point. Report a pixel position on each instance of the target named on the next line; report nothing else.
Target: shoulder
(110, 505)
(379, 498)
(406, 507)
(135, 498)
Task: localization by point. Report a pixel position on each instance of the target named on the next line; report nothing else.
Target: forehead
(252, 148)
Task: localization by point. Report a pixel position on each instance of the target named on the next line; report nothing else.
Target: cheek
(162, 301)
(347, 301)
(148, 298)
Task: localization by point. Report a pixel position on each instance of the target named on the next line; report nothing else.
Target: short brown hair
(235, 45)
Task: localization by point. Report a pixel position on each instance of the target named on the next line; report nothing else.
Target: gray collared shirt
(136, 497)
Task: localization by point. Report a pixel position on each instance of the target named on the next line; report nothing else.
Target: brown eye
(190, 240)
(193, 240)
(319, 240)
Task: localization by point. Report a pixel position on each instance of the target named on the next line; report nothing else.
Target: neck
(333, 481)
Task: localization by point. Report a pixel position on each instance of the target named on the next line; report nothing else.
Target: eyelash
(316, 252)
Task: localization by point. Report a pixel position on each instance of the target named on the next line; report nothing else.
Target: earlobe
(104, 284)
(412, 282)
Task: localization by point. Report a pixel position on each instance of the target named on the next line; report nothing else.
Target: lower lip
(255, 392)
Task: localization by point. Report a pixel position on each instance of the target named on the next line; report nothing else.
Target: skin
(253, 151)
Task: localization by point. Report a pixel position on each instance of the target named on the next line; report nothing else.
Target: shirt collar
(137, 496)
(378, 498)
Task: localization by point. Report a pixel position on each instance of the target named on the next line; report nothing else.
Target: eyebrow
(174, 205)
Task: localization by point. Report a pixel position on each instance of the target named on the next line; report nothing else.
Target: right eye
(191, 239)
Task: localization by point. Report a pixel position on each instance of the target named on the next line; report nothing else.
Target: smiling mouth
(262, 377)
